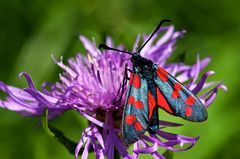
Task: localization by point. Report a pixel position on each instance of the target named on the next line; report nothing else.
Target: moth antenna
(157, 28)
(109, 48)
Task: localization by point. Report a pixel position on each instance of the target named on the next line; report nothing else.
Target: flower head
(91, 84)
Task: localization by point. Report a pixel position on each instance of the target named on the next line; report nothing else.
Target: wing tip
(201, 118)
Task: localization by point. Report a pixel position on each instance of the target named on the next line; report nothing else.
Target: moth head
(141, 62)
(135, 57)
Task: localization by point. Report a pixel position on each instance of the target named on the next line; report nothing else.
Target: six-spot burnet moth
(151, 87)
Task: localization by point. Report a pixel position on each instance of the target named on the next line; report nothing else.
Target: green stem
(57, 135)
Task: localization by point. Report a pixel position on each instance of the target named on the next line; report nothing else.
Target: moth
(151, 87)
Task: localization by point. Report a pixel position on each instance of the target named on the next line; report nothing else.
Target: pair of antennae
(157, 28)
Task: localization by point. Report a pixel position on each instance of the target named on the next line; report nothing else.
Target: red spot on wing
(138, 104)
(190, 101)
(162, 74)
(162, 102)
(131, 79)
(131, 100)
(151, 104)
(175, 94)
(136, 81)
(129, 119)
(177, 86)
(188, 111)
(138, 126)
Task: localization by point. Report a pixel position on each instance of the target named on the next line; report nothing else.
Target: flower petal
(28, 78)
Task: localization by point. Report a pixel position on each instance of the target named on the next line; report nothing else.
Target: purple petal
(120, 147)
(110, 152)
(64, 67)
(97, 150)
(86, 149)
(90, 47)
(135, 46)
(44, 88)
(135, 147)
(109, 41)
(82, 141)
(79, 146)
(212, 94)
(37, 95)
(186, 72)
(147, 150)
(24, 105)
(156, 155)
(28, 78)
(165, 37)
(200, 84)
(99, 137)
(194, 73)
(92, 119)
(146, 51)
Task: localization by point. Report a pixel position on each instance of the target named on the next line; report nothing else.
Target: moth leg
(127, 69)
(124, 82)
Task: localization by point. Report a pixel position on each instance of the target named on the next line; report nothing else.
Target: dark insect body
(151, 87)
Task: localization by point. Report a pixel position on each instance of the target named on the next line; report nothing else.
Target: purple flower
(90, 85)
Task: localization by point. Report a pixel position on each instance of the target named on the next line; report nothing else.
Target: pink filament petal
(200, 84)
(39, 98)
(86, 148)
(90, 47)
(212, 94)
(28, 78)
(147, 149)
(79, 146)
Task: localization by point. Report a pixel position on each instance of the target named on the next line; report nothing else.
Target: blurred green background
(32, 30)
